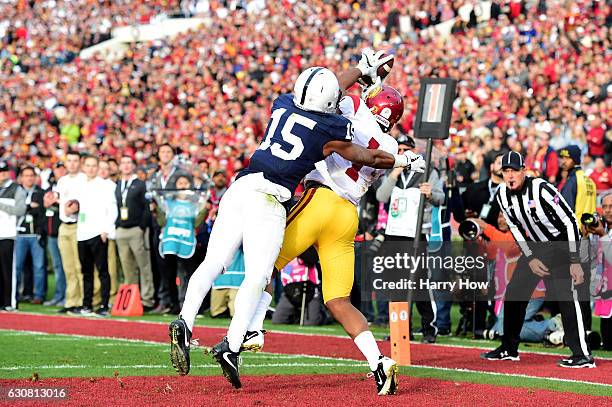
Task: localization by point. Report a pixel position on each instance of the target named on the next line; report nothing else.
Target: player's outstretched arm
(364, 156)
(368, 65)
(348, 78)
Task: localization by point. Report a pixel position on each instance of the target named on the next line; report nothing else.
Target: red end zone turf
(536, 365)
(303, 391)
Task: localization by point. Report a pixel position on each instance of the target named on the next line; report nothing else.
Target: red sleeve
(494, 234)
(500, 240)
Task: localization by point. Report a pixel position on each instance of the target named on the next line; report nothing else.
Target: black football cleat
(578, 362)
(180, 341)
(385, 376)
(501, 353)
(229, 362)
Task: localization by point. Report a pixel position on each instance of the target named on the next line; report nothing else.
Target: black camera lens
(469, 230)
(590, 219)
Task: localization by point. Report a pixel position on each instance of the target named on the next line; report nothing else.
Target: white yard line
(144, 321)
(475, 347)
(249, 365)
(299, 364)
(76, 336)
(11, 368)
(341, 362)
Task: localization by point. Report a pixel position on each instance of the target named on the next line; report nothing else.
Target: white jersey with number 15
(351, 181)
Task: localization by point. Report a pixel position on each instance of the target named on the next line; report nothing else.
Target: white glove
(370, 61)
(415, 162)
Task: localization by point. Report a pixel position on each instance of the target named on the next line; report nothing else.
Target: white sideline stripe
(314, 357)
(17, 332)
(54, 336)
(249, 365)
(85, 337)
(138, 342)
(553, 379)
(280, 356)
(144, 321)
(43, 367)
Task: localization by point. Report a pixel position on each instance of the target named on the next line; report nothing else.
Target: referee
(536, 212)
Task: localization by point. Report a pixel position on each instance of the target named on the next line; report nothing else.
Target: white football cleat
(253, 341)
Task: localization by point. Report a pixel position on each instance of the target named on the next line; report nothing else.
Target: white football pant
(249, 214)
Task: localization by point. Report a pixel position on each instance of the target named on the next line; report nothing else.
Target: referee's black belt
(314, 185)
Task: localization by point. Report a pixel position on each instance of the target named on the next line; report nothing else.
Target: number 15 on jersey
(286, 144)
(292, 143)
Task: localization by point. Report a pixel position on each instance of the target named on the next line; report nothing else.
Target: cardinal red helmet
(387, 105)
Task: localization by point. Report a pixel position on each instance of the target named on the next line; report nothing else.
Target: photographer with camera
(478, 203)
(578, 190)
(370, 234)
(479, 198)
(580, 193)
(402, 189)
(601, 228)
(179, 214)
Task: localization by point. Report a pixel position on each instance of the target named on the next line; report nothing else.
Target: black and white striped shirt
(538, 213)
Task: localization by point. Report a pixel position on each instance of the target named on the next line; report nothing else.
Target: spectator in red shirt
(595, 138)
(601, 175)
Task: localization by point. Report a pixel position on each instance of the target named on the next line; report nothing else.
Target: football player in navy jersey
(304, 128)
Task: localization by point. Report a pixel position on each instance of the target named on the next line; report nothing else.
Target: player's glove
(370, 61)
(414, 162)
(410, 161)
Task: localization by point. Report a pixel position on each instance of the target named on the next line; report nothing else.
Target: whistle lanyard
(164, 181)
(125, 186)
(406, 179)
(492, 191)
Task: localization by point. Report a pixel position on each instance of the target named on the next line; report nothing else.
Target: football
(383, 71)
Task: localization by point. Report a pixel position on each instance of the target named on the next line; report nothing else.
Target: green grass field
(332, 329)
(52, 355)
(26, 354)
(79, 356)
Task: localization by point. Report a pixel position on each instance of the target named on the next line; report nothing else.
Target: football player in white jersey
(326, 217)
(304, 129)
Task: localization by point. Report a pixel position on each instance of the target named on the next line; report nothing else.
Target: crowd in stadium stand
(534, 78)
